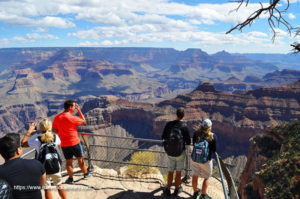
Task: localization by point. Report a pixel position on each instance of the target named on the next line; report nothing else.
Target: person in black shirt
(176, 163)
(24, 176)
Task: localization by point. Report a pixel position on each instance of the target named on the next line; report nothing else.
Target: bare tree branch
(275, 19)
(296, 47)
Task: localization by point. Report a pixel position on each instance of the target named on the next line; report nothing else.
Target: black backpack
(5, 190)
(174, 144)
(49, 157)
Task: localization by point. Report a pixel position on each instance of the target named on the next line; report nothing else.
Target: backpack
(200, 151)
(5, 190)
(49, 157)
(174, 144)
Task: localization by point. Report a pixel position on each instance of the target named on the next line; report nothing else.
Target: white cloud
(48, 21)
(291, 1)
(89, 44)
(257, 34)
(115, 22)
(291, 16)
(201, 37)
(41, 36)
(28, 38)
(280, 32)
(40, 29)
(116, 13)
(57, 22)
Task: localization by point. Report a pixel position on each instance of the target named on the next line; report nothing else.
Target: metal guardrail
(231, 192)
(28, 153)
(228, 186)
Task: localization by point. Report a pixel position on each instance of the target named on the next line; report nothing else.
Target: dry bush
(144, 158)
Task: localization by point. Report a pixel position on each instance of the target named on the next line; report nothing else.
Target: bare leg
(204, 186)
(177, 179)
(170, 178)
(194, 182)
(82, 165)
(48, 194)
(61, 191)
(70, 167)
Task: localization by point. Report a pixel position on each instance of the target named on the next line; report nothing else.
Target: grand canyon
(135, 91)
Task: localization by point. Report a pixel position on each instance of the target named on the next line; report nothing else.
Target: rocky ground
(107, 183)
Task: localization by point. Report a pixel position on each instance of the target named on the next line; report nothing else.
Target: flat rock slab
(107, 184)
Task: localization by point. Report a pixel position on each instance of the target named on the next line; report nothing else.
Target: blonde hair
(203, 132)
(45, 127)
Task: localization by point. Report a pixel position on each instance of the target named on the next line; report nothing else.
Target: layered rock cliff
(251, 82)
(236, 117)
(138, 74)
(65, 75)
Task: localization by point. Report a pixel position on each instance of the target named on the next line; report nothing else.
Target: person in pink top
(65, 124)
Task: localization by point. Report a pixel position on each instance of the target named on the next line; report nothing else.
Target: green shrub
(280, 174)
(145, 158)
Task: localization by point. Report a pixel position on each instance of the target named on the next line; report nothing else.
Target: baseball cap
(207, 123)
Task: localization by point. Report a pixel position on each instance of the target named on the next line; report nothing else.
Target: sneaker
(204, 196)
(196, 194)
(69, 181)
(87, 175)
(177, 191)
(167, 192)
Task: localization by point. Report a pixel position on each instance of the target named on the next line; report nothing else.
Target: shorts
(203, 170)
(56, 179)
(176, 163)
(71, 151)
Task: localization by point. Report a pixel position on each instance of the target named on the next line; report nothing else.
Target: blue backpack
(200, 151)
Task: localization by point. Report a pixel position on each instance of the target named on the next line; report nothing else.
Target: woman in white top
(45, 127)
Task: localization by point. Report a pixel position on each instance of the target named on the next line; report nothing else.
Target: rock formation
(272, 168)
(138, 74)
(251, 82)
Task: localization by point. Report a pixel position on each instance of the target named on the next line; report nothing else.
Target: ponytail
(204, 132)
(45, 127)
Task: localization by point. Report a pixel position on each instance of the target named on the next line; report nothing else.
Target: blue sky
(178, 24)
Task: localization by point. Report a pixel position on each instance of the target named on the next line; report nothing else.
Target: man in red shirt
(65, 124)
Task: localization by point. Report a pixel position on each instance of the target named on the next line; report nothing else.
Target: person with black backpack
(47, 153)
(25, 176)
(204, 145)
(176, 136)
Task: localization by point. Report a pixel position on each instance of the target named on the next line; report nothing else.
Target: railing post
(221, 175)
(86, 142)
(230, 182)
(187, 176)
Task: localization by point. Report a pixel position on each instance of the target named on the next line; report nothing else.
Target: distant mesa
(252, 79)
(283, 73)
(62, 55)
(117, 72)
(222, 53)
(233, 80)
(206, 87)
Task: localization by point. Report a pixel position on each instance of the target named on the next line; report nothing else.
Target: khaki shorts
(176, 163)
(56, 179)
(203, 170)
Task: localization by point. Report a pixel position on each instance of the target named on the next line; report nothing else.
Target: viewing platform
(110, 184)
(108, 158)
